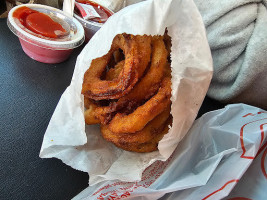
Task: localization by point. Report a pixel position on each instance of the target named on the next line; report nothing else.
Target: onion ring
(137, 120)
(144, 53)
(95, 88)
(149, 83)
(89, 114)
(128, 91)
(145, 140)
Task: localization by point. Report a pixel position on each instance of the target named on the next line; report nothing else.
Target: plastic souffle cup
(45, 49)
(90, 26)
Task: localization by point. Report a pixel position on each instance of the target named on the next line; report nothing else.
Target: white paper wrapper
(206, 165)
(114, 5)
(83, 148)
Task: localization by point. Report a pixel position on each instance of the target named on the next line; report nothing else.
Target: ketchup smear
(103, 12)
(39, 23)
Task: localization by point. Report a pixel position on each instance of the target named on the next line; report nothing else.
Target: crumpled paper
(114, 5)
(207, 164)
(82, 147)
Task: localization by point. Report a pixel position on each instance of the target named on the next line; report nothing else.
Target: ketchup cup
(38, 38)
(91, 26)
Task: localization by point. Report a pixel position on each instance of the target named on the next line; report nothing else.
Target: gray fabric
(237, 34)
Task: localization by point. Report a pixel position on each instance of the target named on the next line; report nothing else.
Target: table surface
(29, 93)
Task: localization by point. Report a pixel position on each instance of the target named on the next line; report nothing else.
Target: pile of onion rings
(128, 90)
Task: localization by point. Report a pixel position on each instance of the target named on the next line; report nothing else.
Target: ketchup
(103, 12)
(38, 22)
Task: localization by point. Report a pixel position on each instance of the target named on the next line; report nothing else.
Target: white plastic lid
(74, 39)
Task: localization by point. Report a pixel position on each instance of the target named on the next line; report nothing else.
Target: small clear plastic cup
(91, 27)
(43, 49)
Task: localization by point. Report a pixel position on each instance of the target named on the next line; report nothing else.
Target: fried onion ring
(128, 91)
(89, 114)
(149, 83)
(137, 120)
(137, 50)
(148, 146)
(95, 88)
(144, 52)
(145, 140)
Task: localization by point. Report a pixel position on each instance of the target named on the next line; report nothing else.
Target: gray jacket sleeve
(237, 34)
